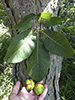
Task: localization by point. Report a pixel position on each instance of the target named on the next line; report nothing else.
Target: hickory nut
(29, 84)
(38, 89)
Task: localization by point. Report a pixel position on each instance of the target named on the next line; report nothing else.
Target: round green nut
(29, 84)
(38, 89)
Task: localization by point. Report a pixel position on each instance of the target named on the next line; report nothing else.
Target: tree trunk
(16, 10)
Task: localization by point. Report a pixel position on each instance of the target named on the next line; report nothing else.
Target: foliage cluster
(3, 16)
(37, 44)
(68, 26)
(5, 70)
(67, 79)
(6, 83)
(4, 43)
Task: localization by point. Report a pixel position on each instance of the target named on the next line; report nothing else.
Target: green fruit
(38, 88)
(29, 84)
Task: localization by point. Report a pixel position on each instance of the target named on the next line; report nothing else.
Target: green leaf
(45, 18)
(57, 43)
(48, 21)
(39, 62)
(25, 23)
(21, 47)
(56, 20)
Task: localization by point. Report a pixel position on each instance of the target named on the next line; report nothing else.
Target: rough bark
(16, 10)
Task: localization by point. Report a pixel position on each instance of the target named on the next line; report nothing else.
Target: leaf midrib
(37, 54)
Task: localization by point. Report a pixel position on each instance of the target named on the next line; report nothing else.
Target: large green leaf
(39, 62)
(57, 44)
(25, 23)
(47, 21)
(21, 47)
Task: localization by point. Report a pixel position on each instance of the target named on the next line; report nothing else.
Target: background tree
(16, 10)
